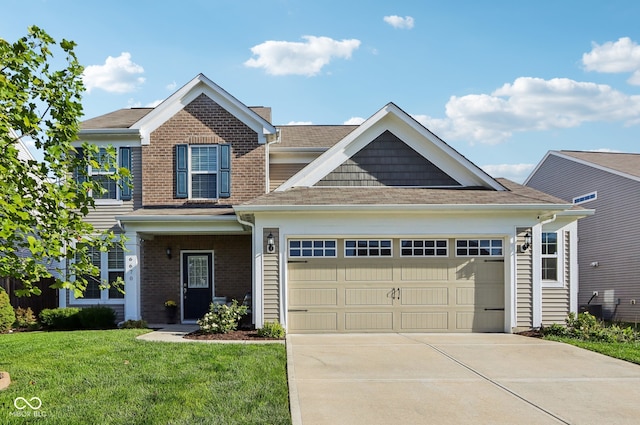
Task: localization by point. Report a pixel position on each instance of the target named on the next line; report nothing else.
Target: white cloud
(299, 123)
(399, 22)
(354, 121)
(300, 58)
(154, 103)
(132, 103)
(615, 57)
(172, 86)
(532, 104)
(514, 172)
(605, 150)
(117, 75)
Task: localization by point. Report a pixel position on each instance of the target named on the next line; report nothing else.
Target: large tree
(43, 204)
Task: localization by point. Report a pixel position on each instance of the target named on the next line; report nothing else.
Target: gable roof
(408, 130)
(145, 120)
(622, 164)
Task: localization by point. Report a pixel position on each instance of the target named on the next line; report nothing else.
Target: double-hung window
(102, 174)
(111, 267)
(549, 255)
(203, 171)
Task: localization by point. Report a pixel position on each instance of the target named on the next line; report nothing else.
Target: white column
(132, 277)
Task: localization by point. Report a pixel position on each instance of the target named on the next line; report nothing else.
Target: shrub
(222, 318)
(586, 327)
(61, 318)
(25, 319)
(134, 324)
(97, 318)
(7, 316)
(271, 330)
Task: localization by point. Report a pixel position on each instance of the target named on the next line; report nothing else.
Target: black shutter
(182, 171)
(224, 172)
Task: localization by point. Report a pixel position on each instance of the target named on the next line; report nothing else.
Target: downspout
(254, 296)
(537, 273)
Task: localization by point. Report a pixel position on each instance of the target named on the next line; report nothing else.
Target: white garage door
(395, 285)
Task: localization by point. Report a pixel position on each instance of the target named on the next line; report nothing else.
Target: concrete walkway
(176, 333)
(456, 379)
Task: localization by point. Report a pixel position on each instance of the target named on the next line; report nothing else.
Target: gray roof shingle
(122, 118)
(312, 136)
(628, 163)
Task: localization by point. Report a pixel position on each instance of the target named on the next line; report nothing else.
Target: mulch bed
(240, 334)
(531, 333)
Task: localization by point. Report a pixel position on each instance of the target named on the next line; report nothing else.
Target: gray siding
(524, 300)
(556, 301)
(387, 161)
(103, 217)
(610, 237)
(279, 173)
(271, 279)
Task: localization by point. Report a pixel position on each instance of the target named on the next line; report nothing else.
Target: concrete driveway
(456, 379)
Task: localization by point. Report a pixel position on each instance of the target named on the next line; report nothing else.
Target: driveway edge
(294, 401)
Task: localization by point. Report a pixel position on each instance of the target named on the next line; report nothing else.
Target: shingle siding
(387, 161)
(610, 237)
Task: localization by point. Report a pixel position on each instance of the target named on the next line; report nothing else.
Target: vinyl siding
(555, 301)
(271, 271)
(524, 284)
(279, 173)
(609, 237)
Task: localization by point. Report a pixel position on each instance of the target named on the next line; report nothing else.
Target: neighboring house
(378, 227)
(609, 241)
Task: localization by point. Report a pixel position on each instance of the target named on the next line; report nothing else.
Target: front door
(197, 283)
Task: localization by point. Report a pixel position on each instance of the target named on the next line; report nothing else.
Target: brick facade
(202, 122)
(161, 278)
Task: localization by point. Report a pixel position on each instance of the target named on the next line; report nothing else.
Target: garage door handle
(297, 310)
(494, 309)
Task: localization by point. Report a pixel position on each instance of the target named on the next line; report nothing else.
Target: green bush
(99, 317)
(134, 324)
(222, 318)
(7, 316)
(61, 318)
(271, 330)
(25, 319)
(586, 327)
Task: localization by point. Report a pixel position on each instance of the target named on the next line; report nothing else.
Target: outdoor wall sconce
(169, 253)
(527, 242)
(271, 243)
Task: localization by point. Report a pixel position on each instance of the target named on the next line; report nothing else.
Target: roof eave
(554, 208)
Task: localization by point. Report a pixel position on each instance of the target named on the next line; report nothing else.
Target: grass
(109, 377)
(629, 351)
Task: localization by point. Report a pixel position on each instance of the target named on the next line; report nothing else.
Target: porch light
(527, 242)
(271, 243)
(169, 253)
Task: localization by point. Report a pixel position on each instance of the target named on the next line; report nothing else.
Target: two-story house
(377, 227)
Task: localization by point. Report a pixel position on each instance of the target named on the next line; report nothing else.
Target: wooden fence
(48, 298)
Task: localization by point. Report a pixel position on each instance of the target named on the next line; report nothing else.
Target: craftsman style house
(378, 227)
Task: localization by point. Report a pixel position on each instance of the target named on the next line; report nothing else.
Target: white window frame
(368, 248)
(104, 277)
(583, 199)
(559, 257)
(315, 250)
(479, 247)
(424, 248)
(101, 172)
(191, 173)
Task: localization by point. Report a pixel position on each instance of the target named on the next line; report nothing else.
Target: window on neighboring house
(111, 266)
(585, 198)
(203, 171)
(549, 254)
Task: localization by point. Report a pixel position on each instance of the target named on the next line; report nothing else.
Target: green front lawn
(109, 377)
(629, 351)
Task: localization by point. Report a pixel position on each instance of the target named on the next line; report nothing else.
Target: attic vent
(207, 139)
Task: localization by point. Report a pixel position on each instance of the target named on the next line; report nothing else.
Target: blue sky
(502, 82)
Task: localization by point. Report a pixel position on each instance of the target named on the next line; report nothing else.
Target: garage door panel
(429, 321)
(368, 321)
(424, 296)
(368, 272)
(313, 272)
(314, 297)
(311, 321)
(368, 296)
(420, 273)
